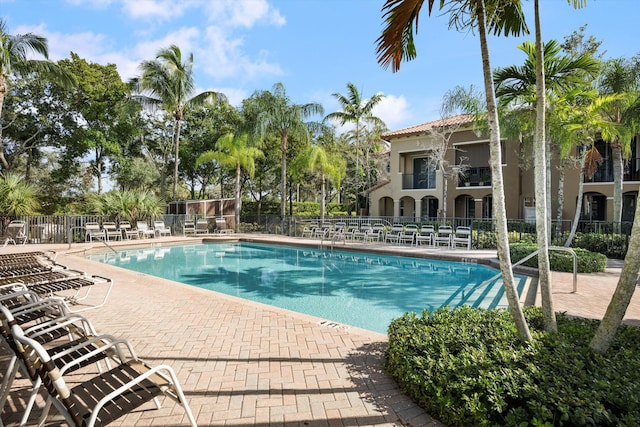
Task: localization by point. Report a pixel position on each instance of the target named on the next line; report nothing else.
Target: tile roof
(457, 120)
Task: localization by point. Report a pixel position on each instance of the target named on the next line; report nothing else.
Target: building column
(417, 209)
(478, 208)
(396, 208)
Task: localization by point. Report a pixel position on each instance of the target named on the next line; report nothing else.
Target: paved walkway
(243, 363)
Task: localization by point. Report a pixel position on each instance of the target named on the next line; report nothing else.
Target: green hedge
(588, 262)
(467, 367)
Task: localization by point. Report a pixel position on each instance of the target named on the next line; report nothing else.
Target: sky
(313, 47)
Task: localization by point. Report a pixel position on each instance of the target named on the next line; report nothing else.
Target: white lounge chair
(93, 231)
(202, 226)
(144, 230)
(161, 229)
(111, 230)
(309, 230)
(222, 227)
(16, 233)
(462, 238)
(408, 234)
(189, 228)
(443, 236)
(392, 235)
(425, 236)
(128, 232)
(106, 396)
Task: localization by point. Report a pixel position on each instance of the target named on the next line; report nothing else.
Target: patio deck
(243, 363)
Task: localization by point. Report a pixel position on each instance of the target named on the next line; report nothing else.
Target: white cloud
(223, 57)
(243, 13)
(394, 111)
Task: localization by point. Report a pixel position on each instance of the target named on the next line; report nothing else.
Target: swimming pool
(345, 288)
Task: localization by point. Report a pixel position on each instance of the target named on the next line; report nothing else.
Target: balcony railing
(475, 177)
(604, 173)
(418, 181)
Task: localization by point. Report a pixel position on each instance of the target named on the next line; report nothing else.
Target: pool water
(344, 288)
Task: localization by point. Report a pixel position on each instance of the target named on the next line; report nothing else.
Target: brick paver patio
(244, 364)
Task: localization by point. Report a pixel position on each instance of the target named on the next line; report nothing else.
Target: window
(424, 173)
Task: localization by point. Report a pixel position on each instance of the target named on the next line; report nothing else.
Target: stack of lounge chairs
(47, 343)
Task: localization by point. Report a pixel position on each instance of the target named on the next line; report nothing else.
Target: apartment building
(443, 167)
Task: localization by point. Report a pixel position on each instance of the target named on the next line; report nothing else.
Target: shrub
(588, 262)
(468, 367)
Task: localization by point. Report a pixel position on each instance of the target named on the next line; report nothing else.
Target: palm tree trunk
(624, 291)
(559, 212)
(283, 180)
(576, 218)
(616, 154)
(238, 200)
(322, 196)
(3, 91)
(541, 179)
(498, 186)
(176, 141)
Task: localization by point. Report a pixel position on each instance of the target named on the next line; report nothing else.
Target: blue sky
(314, 47)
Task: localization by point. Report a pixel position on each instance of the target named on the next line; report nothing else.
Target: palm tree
(233, 150)
(168, 82)
(527, 86)
(620, 76)
(280, 117)
(358, 111)
(496, 16)
(17, 197)
(14, 59)
(331, 166)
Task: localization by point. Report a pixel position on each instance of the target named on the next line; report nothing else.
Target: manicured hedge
(467, 367)
(588, 262)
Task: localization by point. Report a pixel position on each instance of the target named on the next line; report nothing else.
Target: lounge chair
(202, 226)
(408, 234)
(222, 227)
(351, 229)
(378, 232)
(105, 397)
(189, 228)
(462, 238)
(425, 236)
(83, 347)
(111, 230)
(161, 229)
(363, 233)
(16, 233)
(322, 231)
(392, 235)
(309, 230)
(144, 230)
(128, 232)
(93, 231)
(443, 236)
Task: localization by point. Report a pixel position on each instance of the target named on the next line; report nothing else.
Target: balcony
(476, 177)
(604, 173)
(419, 181)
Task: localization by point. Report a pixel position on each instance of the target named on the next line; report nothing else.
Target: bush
(468, 367)
(588, 262)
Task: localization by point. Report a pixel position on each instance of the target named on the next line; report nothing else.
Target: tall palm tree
(496, 16)
(281, 117)
(168, 82)
(544, 70)
(332, 167)
(233, 150)
(14, 59)
(359, 112)
(620, 76)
